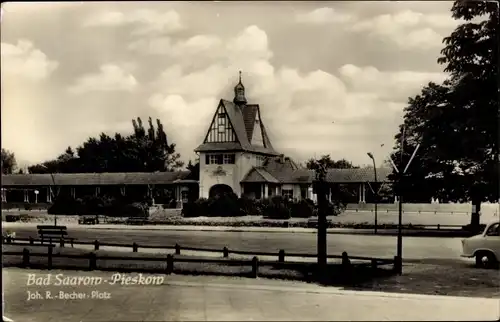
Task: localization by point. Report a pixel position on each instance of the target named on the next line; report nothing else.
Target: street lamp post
(52, 194)
(374, 191)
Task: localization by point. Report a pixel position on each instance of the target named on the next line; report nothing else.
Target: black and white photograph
(250, 161)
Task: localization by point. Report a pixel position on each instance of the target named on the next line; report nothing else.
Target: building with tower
(236, 155)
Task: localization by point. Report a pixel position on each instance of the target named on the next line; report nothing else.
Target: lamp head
(370, 155)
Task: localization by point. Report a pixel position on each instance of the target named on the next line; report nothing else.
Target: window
(229, 159)
(494, 230)
(222, 118)
(287, 193)
(220, 159)
(222, 128)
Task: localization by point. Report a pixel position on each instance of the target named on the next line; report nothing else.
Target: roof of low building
(97, 179)
(284, 170)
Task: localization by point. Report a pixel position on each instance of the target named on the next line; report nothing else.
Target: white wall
(234, 173)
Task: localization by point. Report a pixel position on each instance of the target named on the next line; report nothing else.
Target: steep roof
(284, 170)
(242, 119)
(82, 179)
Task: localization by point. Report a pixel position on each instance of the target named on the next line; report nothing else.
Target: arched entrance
(219, 190)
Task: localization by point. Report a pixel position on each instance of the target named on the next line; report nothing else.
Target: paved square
(195, 298)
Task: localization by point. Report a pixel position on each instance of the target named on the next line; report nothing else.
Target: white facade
(231, 174)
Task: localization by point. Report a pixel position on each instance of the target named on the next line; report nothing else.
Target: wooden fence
(171, 258)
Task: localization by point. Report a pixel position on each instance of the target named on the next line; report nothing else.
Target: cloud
(109, 78)
(251, 43)
(145, 21)
(23, 59)
(324, 16)
(396, 85)
(319, 111)
(408, 29)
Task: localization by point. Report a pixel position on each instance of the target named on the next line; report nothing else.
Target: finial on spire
(239, 93)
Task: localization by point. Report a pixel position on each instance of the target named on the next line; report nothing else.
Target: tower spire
(239, 93)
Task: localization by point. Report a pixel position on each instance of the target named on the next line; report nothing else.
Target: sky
(330, 77)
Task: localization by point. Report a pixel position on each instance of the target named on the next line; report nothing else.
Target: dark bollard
(96, 245)
(398, 265)
(26, 257)
(31, 241)
(439, 226)
(92, 261)
(281, 256)
(225, 252)
(374, 263)
(255, 267)
(177, 249)
(135, 247)
(50, 251)
(61, 242)
(170, 264)
(346, 262)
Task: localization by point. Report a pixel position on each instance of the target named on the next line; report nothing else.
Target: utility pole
(322, 223)
(401, 183)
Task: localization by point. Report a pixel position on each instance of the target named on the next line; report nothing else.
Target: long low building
(236, 156)
(277, 177)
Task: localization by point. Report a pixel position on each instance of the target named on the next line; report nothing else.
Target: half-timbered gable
(221, 130)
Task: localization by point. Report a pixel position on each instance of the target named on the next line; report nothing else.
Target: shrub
(27, 206)
(302, 209)
(276, 208)
(64, 205)
(250, 207)
(136, 209)
(196, 209)
(226, 205)
(12, 218)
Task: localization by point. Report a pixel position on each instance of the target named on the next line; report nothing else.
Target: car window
(494, 230)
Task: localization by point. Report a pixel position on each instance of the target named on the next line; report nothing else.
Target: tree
(142, 151)
(8, 162)
(456, 123)
(194, 168)
(329, 163)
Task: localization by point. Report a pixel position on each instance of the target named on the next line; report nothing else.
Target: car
(485, 247)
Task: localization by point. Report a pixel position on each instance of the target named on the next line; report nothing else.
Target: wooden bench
(54, 233)
(136, 221)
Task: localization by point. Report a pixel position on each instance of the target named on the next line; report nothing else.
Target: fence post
(31, 241)
(281, 256)
(50, 250)
(170, 264)
(398, 265)
(374, 263)
(92, 261)
(255, 267)
(135, 247)
(96, 244)
(177, 249)
(225, 252)
(26, 257)
(439, 226)
(346, 262)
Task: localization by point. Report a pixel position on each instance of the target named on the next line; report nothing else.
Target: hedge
(275, 207)
(102, 205)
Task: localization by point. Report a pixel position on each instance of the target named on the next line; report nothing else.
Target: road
(197, 298)
(414, 248)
